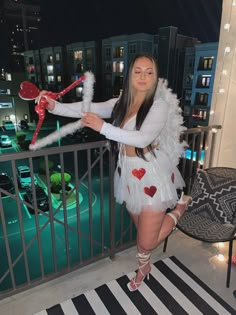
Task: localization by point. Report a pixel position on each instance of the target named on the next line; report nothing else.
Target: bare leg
(167, 226)
(134, 218)
(153, 226)
(169, 223)
(149, 223)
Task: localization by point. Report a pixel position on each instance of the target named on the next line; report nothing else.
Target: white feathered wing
(169, 141)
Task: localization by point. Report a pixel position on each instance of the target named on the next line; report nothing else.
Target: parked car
(8, 125)
(23, 125)
(5, 141)
(6, 183)
(24, 177)
(41, 196)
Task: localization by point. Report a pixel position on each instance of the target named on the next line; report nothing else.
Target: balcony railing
(81, 222)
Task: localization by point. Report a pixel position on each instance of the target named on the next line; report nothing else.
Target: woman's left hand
(92, 121)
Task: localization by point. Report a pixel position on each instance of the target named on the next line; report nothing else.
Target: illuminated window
(8, 77)
(205, 63)
(50, 79)
(118, 66)
(31, 69)
(59, 78)
(119, 52)
(203, 81)
(79, 91)
(5, 105)
(78, 55)
(199, 115)
(50, 69)
(201, 99)
(50, 59)
(58, 57)
(5, 91)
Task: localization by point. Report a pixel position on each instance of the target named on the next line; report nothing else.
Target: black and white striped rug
(172, 289)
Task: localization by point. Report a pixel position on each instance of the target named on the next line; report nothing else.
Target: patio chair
(211, 216)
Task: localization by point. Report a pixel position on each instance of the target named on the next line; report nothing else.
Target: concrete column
(223, 106)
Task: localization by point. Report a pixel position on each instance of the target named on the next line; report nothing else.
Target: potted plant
(56, 183)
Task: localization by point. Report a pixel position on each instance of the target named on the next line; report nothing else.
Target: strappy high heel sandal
(183, 201)
(144, 260)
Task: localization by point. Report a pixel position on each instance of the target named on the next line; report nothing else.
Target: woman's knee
(148, 243)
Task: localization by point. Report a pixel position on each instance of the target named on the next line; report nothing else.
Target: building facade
(198, 81)
(19, 21)
(12, 107)
(171, 55)
(54, 68)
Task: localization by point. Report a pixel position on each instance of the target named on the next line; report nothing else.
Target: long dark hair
(122, 105)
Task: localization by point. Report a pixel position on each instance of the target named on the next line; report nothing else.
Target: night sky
(69, 21)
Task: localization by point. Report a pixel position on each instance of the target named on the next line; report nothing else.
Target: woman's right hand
(51, 102)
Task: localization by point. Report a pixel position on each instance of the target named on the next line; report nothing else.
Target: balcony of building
(54, 255)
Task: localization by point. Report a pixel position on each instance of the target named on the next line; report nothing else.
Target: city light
(227, 50)
(227, 26)
(189, 154)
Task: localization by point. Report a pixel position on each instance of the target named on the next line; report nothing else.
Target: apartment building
(117, 51)
(198, 81)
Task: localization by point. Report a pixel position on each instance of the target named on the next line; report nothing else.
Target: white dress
(150, 184)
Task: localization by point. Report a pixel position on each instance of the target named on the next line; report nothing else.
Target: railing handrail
(201, 128)
(198, 138)
(52, 150)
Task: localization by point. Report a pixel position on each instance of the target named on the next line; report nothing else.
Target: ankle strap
(143, 256)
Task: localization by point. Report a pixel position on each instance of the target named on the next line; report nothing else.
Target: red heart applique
(139, 173)
(150, 191)
(173, 177)
(28, 91)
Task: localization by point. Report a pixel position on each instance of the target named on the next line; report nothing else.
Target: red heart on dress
(150, 191)
(173, 177)
(28, 91)
(139, 173)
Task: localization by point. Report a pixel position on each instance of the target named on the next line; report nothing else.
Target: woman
(146, 179)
